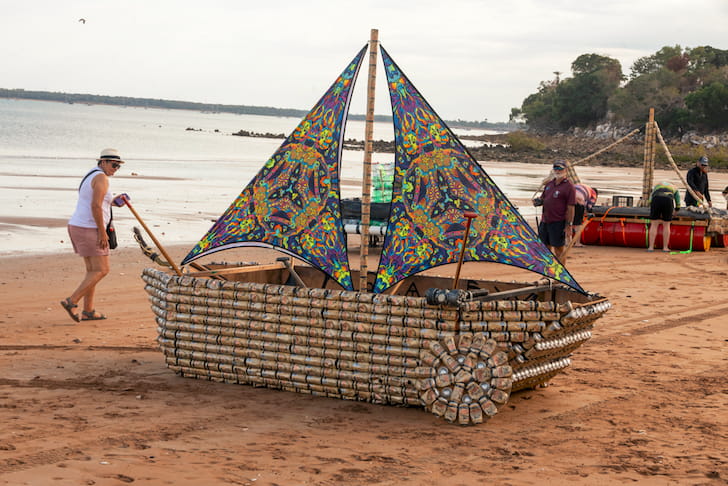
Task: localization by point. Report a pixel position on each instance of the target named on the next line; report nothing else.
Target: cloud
(471, 59)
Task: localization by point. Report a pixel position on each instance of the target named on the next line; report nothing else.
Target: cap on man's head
(559, 164)
(703, 160)
(110, 154)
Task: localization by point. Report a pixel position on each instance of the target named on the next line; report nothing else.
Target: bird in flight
(83, 21)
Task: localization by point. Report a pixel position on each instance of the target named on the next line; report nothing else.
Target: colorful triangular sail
(293, 203)
(436, 181)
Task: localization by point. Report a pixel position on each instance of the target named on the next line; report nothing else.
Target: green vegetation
(685, 156)
(521, 142)
(687, 87)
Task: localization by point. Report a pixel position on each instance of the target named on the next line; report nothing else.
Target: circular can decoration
(469, 378)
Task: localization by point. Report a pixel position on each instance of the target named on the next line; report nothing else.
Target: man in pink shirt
(559, 198)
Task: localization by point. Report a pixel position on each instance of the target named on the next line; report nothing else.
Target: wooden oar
(573, 241)
(287, 262)
(506, 294)
(156, 258)
(469, 215)
(151, 235)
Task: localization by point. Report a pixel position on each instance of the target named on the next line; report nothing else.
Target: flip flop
(69, 308)
(92, 316)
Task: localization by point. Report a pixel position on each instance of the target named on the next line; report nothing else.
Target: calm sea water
(179, 180)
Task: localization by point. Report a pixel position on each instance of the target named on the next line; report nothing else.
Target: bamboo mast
(648, 167)
(367, 165)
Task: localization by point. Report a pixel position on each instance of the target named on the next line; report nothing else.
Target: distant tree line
(208, 107)
(687, 87)
(147, 103)
(485, 125)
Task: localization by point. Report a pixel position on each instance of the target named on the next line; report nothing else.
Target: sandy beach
(94, 404)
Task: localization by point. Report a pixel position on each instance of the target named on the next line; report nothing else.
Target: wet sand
(93, 403)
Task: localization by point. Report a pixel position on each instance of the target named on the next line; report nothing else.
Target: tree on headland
(653, 63)
(573, 102)
(708, 106)
(687, 87)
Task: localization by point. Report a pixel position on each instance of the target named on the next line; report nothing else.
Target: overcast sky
(471, 59)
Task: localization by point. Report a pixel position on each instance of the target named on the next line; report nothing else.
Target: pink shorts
(85, 241)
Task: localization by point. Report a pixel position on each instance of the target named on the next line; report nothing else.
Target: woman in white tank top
(87, 229)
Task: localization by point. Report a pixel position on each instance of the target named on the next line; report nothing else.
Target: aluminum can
(451, 413)
(463, 414)
(476, 413)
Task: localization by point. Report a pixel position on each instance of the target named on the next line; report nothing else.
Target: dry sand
(93, 403)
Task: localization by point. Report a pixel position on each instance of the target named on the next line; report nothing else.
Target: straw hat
(110, 154)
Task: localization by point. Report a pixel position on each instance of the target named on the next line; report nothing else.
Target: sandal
(69, 308)
(92, 316)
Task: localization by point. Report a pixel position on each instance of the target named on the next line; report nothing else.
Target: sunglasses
(115, 165)
(558, 168)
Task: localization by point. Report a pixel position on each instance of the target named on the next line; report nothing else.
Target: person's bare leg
(654, 226)
(97, 267)
(576, 232)
(666, 236)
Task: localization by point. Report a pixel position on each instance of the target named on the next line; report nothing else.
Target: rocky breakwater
(540, 148)
(573, 145)
(707, 141)
(577, 144)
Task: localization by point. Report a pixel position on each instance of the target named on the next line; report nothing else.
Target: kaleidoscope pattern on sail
(436, 181)
(293, 203)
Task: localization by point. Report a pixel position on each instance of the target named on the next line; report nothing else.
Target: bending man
(663, 201)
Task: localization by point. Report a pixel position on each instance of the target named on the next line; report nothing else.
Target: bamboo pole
(602, 150)
(232, 270)
(589, 157)
(653, 147)
(367, 164)
(151, 235)
(506, 294)
(698, 197)
(598, 301)
(571, 174)
(648, 166)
